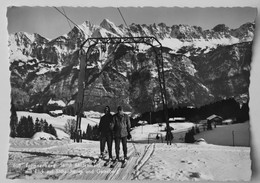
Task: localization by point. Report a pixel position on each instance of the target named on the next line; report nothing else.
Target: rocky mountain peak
(87, 23)
(107, 23)
(42, 68)
(250, 26)
(110, 26)
(22, 37)
(162, 24)
(221, 28)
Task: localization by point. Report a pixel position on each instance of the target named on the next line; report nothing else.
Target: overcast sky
(48, 22)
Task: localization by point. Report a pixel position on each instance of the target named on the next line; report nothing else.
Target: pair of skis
(111, 164)
(97, 159)
(114, 164)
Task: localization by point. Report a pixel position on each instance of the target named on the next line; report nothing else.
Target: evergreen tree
(243, 113)
(13, 121)
(72, 112)
(89, 132)
(42, 125)
(37, 126)
(45, 126)
(21, 127)
(95, 133)
(84, 135)
(52, 130)
(30, 127)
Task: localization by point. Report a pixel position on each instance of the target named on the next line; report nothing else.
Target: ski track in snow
(64, 159)
(42, 159)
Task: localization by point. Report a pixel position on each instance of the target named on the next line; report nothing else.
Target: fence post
(233, 136)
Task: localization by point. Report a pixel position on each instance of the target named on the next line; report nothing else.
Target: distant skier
(121, 128)
(106, 133)
(169, 136)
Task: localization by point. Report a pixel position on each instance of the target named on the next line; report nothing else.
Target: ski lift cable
(124, 20)
(67, 19)
(125, 23)
(122, 17)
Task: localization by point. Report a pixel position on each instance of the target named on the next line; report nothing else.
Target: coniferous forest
(227, 109)
(26, 127)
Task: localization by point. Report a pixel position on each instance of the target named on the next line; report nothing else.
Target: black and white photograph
(130, 93)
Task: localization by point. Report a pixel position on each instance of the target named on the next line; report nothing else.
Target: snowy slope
(177, 162)
(141, 133)
(60, 121)
(190, 162)
(63, 159)
(223, 135)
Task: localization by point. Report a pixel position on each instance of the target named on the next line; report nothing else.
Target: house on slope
(177, 120)
(214, 119)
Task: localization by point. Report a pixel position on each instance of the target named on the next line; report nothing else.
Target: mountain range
(201, 66)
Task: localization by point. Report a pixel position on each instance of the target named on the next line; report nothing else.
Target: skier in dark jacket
(106, 135)
(121, 128)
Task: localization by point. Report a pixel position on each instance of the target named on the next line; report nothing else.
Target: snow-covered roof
(72, 102)
(227, 121)
(213, 116)
(58, 102)
(177, 119)
(142, 122)
(93, 114)
(56, 112)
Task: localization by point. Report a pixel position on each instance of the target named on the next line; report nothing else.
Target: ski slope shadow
(41, 164)
(46, 154)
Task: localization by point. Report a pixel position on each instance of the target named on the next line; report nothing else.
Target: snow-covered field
(200, 162)
(60, 121)
(64, 159)
(223, 135)
(141, 133)
(53, 159)
(138, 134)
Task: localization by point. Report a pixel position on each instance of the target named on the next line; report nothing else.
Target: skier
(106, 133)
(169, 136)
(121, 128)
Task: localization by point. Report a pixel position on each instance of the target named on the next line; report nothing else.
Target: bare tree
(70, 127)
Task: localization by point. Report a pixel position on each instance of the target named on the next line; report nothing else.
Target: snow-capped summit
(174, 37)
(107, 24)
(110, 26)
(88, 28)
